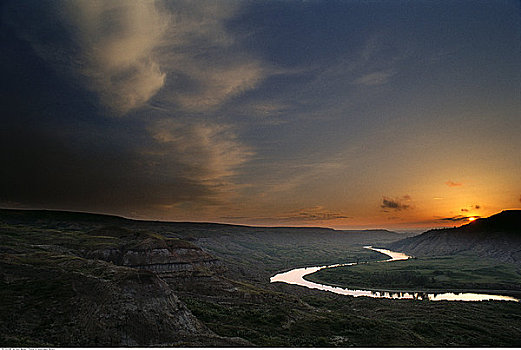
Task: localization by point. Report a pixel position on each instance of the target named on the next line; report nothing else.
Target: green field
(463, 272)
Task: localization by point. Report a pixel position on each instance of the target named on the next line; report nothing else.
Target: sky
(342, 114)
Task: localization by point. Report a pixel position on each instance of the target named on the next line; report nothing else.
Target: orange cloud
(460, 218)
(453, 184)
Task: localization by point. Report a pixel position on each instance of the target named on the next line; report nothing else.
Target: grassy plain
(462, 272)
(297, 317)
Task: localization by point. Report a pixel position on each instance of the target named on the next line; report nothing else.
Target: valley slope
(497, 237)
(78, 279)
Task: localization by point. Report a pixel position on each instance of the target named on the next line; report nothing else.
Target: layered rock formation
(98, 288)
(149, 251)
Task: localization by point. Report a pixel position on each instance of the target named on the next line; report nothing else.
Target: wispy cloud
(317, 213)
(453, 184)
(458, 218)
(396, 204)
(375, 78)
(118, 45)
(213, 86)
(111, 47)
(204, 62)
(163, 61)
(305, 215)
(204, 152)
(126, 52)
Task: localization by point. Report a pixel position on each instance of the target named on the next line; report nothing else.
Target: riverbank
(297, 277)
(513, 293)
(462, 273)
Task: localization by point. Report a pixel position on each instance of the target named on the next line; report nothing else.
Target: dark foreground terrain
(73, 279)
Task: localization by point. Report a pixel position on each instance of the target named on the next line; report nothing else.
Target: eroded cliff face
(70, 301)
(98, 288)
(151, 252)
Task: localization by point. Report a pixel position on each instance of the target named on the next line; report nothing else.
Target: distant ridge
(45, 214)
(25, 215)
(72, 219)
(498, 237)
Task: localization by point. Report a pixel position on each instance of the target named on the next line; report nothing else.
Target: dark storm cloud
(66, 71)
(69, 156)
(46, 170)
(395, 204)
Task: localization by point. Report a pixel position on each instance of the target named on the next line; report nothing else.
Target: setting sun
(260, 173)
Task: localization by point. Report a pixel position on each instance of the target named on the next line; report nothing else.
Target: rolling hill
(497, 237)
(78, 279)
(83, 279)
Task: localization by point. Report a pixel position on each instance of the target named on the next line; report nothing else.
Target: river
(296, 276)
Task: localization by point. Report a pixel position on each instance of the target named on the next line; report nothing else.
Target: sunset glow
(345, 114)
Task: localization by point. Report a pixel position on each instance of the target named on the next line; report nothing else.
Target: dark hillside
(81, 279)
(78, 279)
(96, 287)
(498, 237)
(252, 252)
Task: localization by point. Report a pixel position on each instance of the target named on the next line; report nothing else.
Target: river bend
(296, 276)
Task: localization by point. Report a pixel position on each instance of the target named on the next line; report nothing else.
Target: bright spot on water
(296, 276)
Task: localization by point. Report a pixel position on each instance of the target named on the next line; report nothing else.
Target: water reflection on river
(296, 276)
